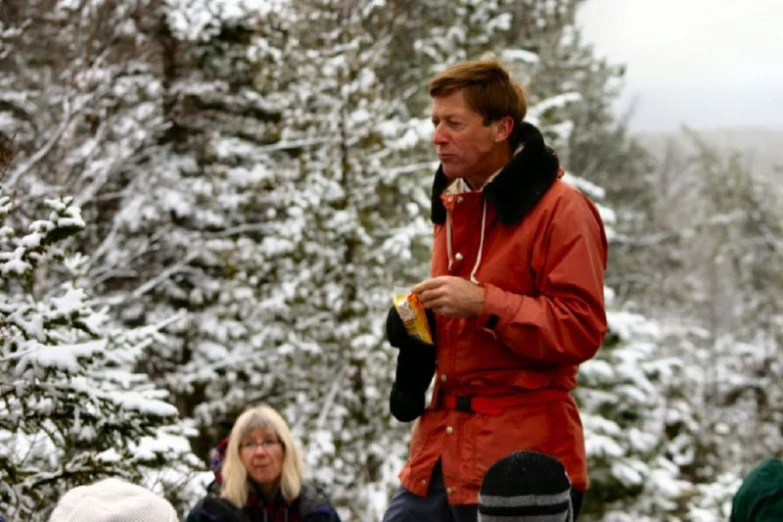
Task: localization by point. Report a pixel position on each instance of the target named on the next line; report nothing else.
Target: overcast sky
(704, 63)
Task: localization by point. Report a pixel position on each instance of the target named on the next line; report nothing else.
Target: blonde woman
(260, 478)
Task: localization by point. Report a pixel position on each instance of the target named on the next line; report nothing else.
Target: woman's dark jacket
(312, 505)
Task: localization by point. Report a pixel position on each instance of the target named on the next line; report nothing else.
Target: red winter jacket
(540, 254)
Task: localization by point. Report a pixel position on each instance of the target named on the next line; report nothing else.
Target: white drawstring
(481, 242)
(448, 239)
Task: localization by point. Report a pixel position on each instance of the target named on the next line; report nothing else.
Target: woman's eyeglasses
(252, 445)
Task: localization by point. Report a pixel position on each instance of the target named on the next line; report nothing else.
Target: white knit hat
(112, 500)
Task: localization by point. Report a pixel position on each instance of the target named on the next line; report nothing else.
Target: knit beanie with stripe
(525, 486)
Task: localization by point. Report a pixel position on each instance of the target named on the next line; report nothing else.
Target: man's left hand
(451, 296)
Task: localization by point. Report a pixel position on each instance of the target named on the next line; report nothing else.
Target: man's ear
(505, 126)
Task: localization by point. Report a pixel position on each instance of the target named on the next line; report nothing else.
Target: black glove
(415, 368)
(398, 335)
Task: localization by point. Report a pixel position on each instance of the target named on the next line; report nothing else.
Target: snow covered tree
(625, 414)
(247, 232)
(710, 248)
(361, 230)
(72, 407)
(80, 105)
(78, 110)
(723, 320)
(195, 226)
(592, 142)
(742, 223)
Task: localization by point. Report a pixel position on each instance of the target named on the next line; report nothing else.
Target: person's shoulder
(314, 486)
(563, 196)
(213, 508)
(314, 493)
(765, 479)
(314, 502)
(771, 468)
(563, 189)
(760, 497)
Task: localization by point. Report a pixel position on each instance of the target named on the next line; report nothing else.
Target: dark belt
(495, 404)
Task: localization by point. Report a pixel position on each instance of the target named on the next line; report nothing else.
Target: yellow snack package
(412, 314)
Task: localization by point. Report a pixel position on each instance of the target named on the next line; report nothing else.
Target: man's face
(463, 143)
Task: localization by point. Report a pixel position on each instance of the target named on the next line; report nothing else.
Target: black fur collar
(518, 187)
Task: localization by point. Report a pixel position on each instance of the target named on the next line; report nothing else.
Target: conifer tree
(73, 407)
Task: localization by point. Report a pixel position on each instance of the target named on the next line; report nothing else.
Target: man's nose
(439, 136)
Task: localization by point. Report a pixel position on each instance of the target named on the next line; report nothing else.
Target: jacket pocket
(528, 427)
(422, 433)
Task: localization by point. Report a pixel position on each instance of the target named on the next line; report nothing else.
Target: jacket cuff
(492, 312)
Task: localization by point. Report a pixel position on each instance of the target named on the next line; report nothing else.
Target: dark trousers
(407, 507)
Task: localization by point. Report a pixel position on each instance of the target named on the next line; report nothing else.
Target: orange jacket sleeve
(566, 322)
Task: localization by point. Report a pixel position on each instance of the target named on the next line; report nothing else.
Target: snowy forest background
(206, 203)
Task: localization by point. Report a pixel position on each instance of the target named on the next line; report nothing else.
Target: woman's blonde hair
(234, 474)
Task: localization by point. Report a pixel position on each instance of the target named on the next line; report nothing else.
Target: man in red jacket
(517, 293)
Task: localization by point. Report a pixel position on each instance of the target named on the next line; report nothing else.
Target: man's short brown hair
(489, 90)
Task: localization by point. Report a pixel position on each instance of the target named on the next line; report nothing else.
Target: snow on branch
(73, 408)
